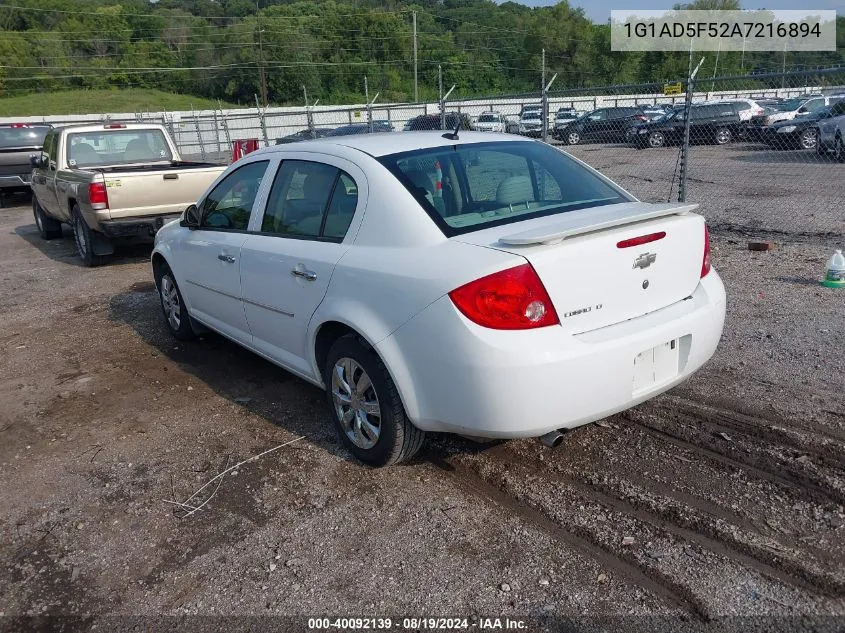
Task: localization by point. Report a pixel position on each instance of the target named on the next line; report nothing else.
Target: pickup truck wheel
(84, 238)
(367, 411)
(172, 306)
(48, 228)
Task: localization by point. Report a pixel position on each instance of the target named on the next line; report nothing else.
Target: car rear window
(469, 187)
(488, 118)
(23, 136)
(116, 147)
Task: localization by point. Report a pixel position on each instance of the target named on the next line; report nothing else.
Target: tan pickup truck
(112, 181)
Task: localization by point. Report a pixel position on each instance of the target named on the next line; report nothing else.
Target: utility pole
(440, 97)
(684, 158)
(262, 75)
(783, 69)
(367, 101)
(416, 85)
(308, 116)
(546, 107)
(544, 101)
(715, 68)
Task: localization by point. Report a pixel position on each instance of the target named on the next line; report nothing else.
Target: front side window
(310, 199)
(837, 109)
(469, 187)
(230, 203)
(116, 147)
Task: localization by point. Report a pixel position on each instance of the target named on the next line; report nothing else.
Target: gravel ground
(723, 499)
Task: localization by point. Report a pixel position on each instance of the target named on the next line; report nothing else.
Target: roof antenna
(453, 136)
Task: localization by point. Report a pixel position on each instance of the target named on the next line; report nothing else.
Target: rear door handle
(226, 258)
(308, 275)
(171, 176)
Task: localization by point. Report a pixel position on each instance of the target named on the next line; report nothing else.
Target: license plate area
(656, 366)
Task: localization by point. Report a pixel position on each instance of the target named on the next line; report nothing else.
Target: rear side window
(465, 188)
(310, 199)
(24, 136)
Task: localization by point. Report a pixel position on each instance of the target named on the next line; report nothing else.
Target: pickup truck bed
(113, 181)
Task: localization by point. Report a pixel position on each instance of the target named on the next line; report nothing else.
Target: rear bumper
(457, 377)
(15, 181)
(136, 227)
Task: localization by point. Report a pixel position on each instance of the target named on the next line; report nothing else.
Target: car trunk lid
(596, 270)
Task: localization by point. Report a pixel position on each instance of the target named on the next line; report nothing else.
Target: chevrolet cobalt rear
(445, 282)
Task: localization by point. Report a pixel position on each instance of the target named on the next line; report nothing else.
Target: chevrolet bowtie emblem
(645, 260)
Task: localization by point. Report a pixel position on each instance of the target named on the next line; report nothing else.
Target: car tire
(173, 308)
(656, 139)
(48, 228)
(839, 150)
(365, 406)
(573, 137)
(809, 139)
(723, 136)
(84, 238)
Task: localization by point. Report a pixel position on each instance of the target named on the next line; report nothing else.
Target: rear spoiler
(594, 219)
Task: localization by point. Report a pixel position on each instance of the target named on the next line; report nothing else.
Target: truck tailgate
(156, 192)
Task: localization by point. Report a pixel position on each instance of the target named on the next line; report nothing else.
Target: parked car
(531, 123)
(511, 124)
(657, 111)
(424, 294)
(605, 124)
(799, 133)
(564, 116)
(433, 122)
(785, 111)
(109, 181)
(360, 128)
(717, 123)
(304, 135)
(830, 130)
(18, 141)
(532, 107)
(747, 107)
(492, 121)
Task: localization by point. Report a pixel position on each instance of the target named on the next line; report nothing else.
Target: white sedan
(490, 286)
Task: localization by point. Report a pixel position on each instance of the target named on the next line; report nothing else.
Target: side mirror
(191, 217)
(38, 160)
(802, 110)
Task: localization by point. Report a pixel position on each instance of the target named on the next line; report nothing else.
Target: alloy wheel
(809, 139)
(356, 403)
(723, 136)
(656, 139)
(574, 138)
(170, 302)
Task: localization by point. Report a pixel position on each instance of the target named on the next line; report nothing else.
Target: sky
(599, 10)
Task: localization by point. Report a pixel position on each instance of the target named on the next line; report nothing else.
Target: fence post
(225, 127)
(262, 122)
(684, 157)
(199, 132)
(217, 134)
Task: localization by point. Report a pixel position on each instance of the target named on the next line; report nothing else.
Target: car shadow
(777, 156)
(64, 249)
(249, 381)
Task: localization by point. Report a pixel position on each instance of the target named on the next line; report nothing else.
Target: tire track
(825, 446)
(652, 580)
(786, 476)
(723, 543)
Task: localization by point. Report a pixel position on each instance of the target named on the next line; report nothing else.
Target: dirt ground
(723, 499)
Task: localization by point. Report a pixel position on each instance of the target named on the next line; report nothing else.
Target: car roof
(383, 144)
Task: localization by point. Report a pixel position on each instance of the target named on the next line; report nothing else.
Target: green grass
(102, 101)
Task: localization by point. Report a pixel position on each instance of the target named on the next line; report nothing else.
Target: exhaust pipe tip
(552, 439)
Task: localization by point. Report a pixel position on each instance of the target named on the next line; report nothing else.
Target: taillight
(705, 263)
(98, 196)
(641, 117)
(512, 299)
(640, 240)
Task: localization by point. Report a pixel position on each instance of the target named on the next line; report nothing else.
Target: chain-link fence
(762, 150)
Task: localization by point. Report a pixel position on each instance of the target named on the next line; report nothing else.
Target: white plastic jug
(834, 272)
